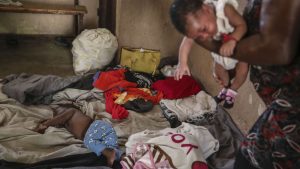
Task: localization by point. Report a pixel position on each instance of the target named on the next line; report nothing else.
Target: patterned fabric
(199, 120)
(101, 135)
(274, 140)
(157, 158)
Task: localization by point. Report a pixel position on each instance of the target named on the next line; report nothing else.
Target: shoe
(221, 96)
(229, 99)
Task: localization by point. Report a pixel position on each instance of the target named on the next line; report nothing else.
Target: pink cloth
(176, 89)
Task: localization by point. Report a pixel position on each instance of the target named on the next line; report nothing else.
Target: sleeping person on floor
(98, 136)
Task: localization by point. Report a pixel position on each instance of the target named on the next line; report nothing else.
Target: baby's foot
(221, 96)
(110, 155)
(229, 100)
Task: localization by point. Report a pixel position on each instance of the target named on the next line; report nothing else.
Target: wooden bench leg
(78, 24)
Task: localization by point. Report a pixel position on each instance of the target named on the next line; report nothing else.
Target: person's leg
(110, 155)
(222, 77)
(241, 72)
(101, 138)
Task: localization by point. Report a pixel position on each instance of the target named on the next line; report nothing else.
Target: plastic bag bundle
(93, 49)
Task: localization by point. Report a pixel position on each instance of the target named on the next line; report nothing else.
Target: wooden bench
(35, 8)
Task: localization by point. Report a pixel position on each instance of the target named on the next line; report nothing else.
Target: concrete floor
(32, 55)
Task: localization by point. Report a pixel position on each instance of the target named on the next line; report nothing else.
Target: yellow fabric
(124, 97)
(140, 60)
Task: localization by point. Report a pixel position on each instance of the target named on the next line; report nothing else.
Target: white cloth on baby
(224, 27)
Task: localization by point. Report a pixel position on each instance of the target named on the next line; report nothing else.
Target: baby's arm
(240, 28)
(184, 51)
(60, 119)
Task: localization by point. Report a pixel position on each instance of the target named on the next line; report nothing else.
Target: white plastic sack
(93, 49)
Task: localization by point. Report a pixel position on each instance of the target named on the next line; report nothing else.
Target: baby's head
(194, 19)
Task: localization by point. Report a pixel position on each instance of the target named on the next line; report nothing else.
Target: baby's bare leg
(221, 75)
(241, 72)
(110, 155)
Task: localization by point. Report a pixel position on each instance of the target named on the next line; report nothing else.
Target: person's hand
(182, 69)
(227, 48)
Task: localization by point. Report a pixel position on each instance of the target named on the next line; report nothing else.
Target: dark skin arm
(278, 39)
(72, 119)
(60, 119)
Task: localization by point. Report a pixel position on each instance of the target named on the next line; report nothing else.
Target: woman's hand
(227, 48)
(182, 69)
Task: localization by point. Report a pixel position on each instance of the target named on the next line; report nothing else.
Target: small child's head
(194, 19)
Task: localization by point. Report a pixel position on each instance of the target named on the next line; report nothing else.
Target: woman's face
(201, 24)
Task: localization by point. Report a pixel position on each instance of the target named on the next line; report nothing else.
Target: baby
(98, 136)
(207, 20)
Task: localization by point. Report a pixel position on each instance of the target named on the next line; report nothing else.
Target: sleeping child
(98, 136)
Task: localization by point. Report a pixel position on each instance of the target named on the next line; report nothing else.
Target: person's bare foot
(110, 155)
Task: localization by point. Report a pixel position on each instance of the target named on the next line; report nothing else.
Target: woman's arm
(278, 39)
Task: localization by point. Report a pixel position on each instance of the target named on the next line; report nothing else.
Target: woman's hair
(179, 9)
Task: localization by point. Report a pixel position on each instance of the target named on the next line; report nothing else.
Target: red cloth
(139, 93)
(176, 89)
(110, 79)
(116, 110)
(119, 112)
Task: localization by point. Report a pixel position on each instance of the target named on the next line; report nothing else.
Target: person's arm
(60, 119)
(184, 51)
(239, 25)
(278, 39)
(236, 21)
